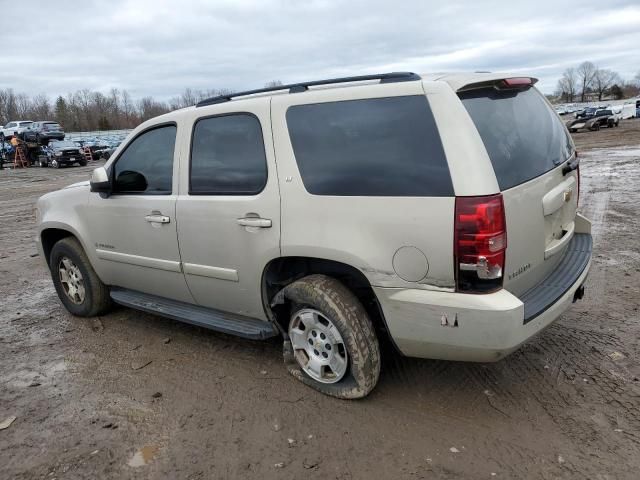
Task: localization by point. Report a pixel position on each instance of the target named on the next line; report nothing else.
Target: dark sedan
(60, 154)
(42, 132)
(597, 119)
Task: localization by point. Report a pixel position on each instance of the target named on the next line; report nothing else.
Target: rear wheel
(332, 344)
(42, 163)
(596, 127)
(78, 286)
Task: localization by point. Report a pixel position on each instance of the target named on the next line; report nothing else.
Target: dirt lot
(567, 405)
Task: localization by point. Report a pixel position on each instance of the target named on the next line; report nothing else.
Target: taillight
(480, 242)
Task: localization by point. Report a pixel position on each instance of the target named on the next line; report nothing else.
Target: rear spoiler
(460, 82)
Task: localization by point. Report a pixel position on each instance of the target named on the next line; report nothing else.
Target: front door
(229, 207)
(134, 229)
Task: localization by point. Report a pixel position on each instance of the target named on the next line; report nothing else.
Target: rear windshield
(523, 136)
(51, 126)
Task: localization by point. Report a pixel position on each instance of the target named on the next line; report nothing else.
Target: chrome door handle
(154, 218)
(254, 222)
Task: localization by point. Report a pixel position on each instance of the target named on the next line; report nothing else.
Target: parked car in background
(599, 118)
(10, 128)
(43, 132)
(61, 154)
(421, 255)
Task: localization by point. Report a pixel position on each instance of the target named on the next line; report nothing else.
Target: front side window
(146, 165)
(227, 156)
(371, 147)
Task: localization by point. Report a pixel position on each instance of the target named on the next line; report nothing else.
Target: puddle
(143, 456)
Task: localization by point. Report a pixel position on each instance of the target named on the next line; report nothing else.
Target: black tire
(96, 300)
(572, 130)
(83, 164)
(43, 163)
(595, 127)
(337, 303)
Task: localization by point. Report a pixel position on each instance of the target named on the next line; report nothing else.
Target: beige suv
(438, 212)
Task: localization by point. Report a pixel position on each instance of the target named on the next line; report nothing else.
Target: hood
(78, 184)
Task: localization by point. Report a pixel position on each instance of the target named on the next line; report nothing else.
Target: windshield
(522, 134)
(64, 145)
(51, 126)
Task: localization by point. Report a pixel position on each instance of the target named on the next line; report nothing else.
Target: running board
(224, 322)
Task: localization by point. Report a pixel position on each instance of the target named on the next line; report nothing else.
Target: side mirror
(100, 181)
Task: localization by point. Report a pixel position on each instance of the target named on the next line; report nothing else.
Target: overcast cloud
(158, 48)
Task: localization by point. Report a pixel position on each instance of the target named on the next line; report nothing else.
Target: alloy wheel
(71, 280)
(318, 346)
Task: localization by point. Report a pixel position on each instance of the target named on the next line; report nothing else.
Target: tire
(43, 163)
(55, 163)
(83, 164)
(67, 254)
(595, 127)
(328, 300)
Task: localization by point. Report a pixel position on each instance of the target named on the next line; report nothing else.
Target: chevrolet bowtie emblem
(567, 195)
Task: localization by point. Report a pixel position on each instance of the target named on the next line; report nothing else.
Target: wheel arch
(283, 271)
(49, 237)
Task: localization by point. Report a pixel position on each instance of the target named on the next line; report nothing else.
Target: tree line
(86, 110)
(587, 78)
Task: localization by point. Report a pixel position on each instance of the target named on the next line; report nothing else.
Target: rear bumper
(482, 328)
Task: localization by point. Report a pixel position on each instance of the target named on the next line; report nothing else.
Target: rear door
(529, 149)
(229, 206)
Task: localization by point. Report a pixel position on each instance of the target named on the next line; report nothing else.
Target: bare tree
(603, 79)
(568, 84)
(586, 71)
(273, 84)
(88, 110)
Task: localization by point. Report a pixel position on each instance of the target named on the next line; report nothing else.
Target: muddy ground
(566, 405)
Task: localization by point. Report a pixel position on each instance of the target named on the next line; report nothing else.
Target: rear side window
(227, 156)
(523, 136)
(371, 147)
(146, 166)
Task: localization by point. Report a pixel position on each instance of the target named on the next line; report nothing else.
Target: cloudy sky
(160, 47)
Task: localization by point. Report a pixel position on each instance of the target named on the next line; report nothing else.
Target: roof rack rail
(304, 86)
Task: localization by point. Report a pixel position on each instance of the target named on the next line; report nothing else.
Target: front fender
(65, 210)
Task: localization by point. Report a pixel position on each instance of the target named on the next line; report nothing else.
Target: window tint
(372, 147)
(227, 156)
(146, 166)
(523, 136)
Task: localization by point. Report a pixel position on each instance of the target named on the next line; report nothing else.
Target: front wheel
(78, 286)
(596, 127)
(332, 344)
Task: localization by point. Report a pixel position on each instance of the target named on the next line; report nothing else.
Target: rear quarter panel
(366, 232)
